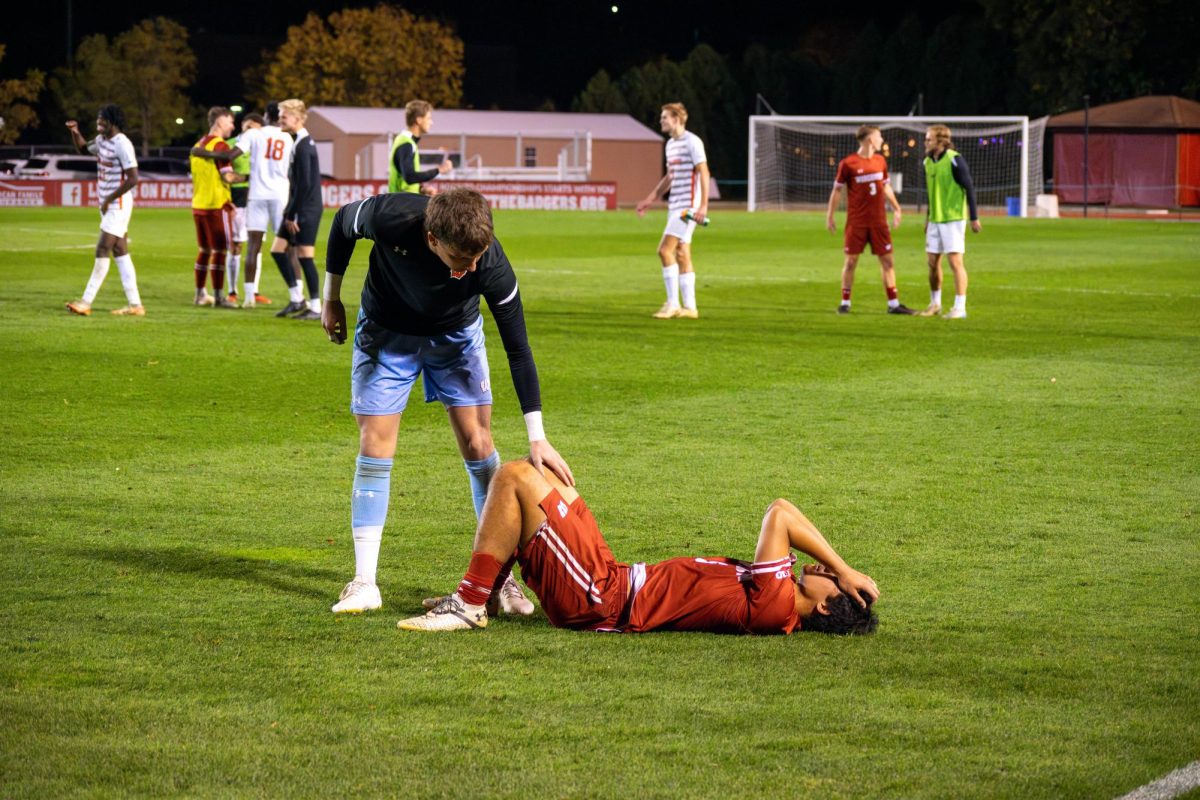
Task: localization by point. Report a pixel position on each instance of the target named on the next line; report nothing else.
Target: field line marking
(47, 230)
(1081, 290)
(43, 249)
(1170, 785)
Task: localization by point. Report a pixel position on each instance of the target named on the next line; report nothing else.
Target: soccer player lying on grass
(544, 525)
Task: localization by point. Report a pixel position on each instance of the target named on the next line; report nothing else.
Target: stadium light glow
(179, 120)
(615, 9)
(236, 109)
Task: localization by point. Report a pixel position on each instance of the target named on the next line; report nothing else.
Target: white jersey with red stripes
(270, 152)
(684, 154)
(116, 157)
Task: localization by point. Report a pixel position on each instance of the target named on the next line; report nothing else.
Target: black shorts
(309, 220)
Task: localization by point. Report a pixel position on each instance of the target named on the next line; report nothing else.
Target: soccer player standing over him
(951, 199)
(302, 217)
(212, 209)
(116, 175)
(404, 169)
(864, 176)
(240, 194)
(270, 152)
(432, 260)
(687, 176)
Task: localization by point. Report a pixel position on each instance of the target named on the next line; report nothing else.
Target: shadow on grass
(278, 575)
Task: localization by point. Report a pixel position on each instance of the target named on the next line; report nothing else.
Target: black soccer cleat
(901, 309)
(843, 309)
(291, 308)
(307, 314)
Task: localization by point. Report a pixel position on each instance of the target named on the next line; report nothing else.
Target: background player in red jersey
(864, 175)
(544, 525)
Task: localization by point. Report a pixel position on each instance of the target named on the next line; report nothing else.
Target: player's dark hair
(254, 116)
(845, 617)
(462, 219)
(415, 109)
(272, 113)
(113, 114)
(864, 131)
(216, 112)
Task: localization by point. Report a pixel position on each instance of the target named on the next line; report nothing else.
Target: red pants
(214, 232)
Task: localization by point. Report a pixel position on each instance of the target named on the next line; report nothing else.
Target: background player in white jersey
(270, 152)
(240, 193)
(116, 175)
(687, 176)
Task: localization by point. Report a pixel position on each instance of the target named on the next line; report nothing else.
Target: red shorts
(214, 227)
(570, 568)
(858, 236)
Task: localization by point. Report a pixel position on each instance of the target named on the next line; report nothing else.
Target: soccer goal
(793, 159)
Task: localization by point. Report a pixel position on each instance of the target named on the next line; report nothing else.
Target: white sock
(671, 279)
(366, 551)
(687, 288)
(314, 305)
(960, 302)
(893, 303)
(935, 297)
(99, 273)
(129, 279)
(251, 289)
(295, 293)
(231, 269)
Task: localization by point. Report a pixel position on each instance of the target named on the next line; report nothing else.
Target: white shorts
(115, 221)
(946, 237)
(678, 227)
(239, 224)
(260, 213)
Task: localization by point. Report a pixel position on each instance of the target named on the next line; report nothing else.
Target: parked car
(57, 166)
(9, 166)
(69, 167)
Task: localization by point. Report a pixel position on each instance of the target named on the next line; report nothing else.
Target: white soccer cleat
(452, 614)
(204, 300)
(513, 600)
(931, 310)
(688, 313)
(248, 302)
(955, 313)
(357, 597)
(668, 311)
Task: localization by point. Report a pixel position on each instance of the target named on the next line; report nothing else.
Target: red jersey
(719, 595)
(864, 179)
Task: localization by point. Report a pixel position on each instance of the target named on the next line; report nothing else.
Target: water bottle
(687, 216)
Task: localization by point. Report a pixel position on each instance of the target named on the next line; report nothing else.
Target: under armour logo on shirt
(562, 509)
(457, 273)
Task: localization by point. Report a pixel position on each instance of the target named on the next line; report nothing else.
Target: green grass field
(174, 524)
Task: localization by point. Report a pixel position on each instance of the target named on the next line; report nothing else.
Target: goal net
(793, 160)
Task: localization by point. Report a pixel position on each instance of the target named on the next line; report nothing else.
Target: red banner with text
(548, 196)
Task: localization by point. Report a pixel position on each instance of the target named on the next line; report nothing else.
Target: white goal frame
(752, 188)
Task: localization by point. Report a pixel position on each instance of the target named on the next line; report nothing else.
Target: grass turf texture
(174, 507)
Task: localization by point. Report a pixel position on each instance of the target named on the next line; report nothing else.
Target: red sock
(845, 295)
(201, 274)
(476, 585)
(891, 290)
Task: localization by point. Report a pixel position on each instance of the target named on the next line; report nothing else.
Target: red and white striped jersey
(116, 157)
(683, 156)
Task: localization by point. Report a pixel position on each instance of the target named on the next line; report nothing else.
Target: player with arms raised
(116, 176)
(864, 177)
(432, 260)
(687, 176)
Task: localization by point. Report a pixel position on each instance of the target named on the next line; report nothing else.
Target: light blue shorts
(386, 364)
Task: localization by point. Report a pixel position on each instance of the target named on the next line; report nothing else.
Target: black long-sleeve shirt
(403, 158)
(962, 176)
(411, 291)
(305, 176)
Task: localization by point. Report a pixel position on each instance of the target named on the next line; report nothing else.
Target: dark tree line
(1003, 57)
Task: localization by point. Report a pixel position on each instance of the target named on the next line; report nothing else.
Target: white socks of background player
(99, 273)
(687, 289)
(671, 280)
(128, 279)
(960, 302)
(231, 271)
(935, 297)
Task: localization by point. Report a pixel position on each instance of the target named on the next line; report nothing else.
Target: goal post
(792, 160)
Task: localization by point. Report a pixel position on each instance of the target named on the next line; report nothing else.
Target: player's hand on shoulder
(856, 584)
(543, 455)
(333, 320)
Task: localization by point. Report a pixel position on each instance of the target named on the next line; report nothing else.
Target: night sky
(518, 53)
